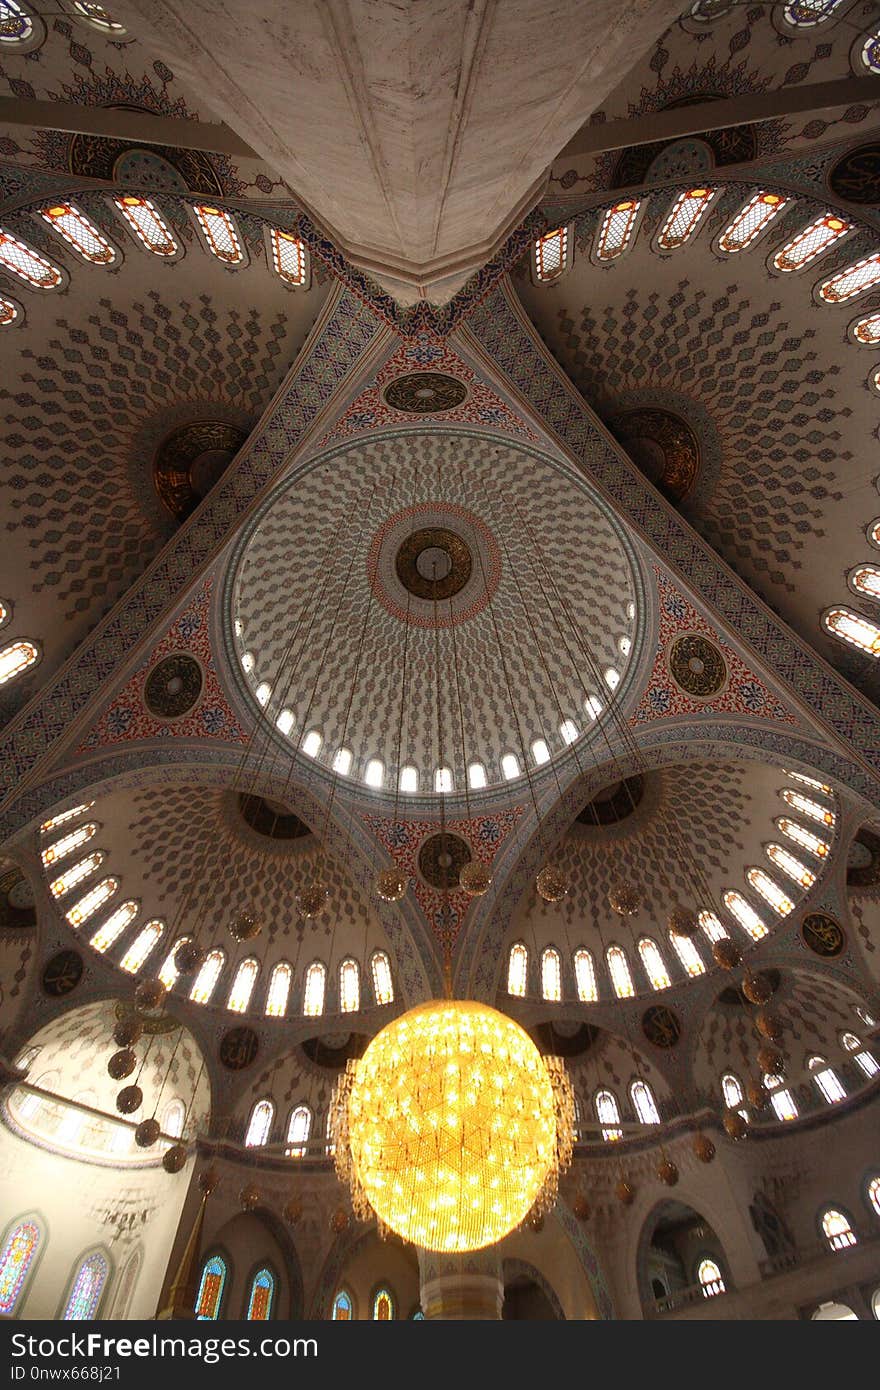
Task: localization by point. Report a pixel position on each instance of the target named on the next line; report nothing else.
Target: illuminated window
(88, 1285)
(211, 1287)
(551, 975)
(782, 1101)
(612, 678)
(288, 257)
(147, 224)
(809, 781)
(330, 1145)
(510, 766)
(16, 25)
(220, 234)
(616, 229)
(206, 980)
(540, 751)
(857, 278)
(97, 16)
(259, 1124)
(342, 1307)
(711, 926)
(243, 985)
(16, 657)
(76, 873)
(685, 216)
(870, 52)
(95, 898)
(279, 990)
(593, 706)
(10, 313)
(518, 970)
(867, 330)
(745, 915)
(618, 968)
(261, 1296)
(810, 242)
(866, 1018)
(409, 779)
(652, 960)
(68, 843)
(27, 263)
(383, 988)
(169, 972)
(644, 1103)
(807, 807)
(313, 994)
(770, 891)
(568, 731)
(115, 925)
(803, 837)
(18, 1251)
(477, 776)
(79, 232)
(688, 954)
(342, 761)
(174, 1118)
(374, 774)
(827, 1080)
(624, 645)
(383, 1306)
(751, 220)
(706, 11)
(732, 1091)
(709, 1276)
(248, 661)
(807, 13)
(443, 779)
(608, 1115)
(551, 254)
(791, 866)
(299, 1127)
(349, 986)
(865, 579)
(864, 1060)
(874, 1194)
(262, 692)
(837, 1230)
(65, 816)
(285, 722)
(585, 976)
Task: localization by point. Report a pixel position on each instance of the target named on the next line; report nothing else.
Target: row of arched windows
(17, 656)
(382, 1306)
(584, 969)
(314, 988)
(297, 1133)
(24, 1243)
(825, 1078)
(259, 1304)
(74, 1129)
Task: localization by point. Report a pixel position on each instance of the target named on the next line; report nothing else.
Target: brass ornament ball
(683, 922)
(249, 1197)
(391, 885)
(625, 1192)
(130, 1099)
(734, 1124)
(771, 1059)
(339, 1221)
(147, 1133)
(703, 1148)
(757, 1094)
(311, 899)
(581, 1207)
(188, 957)
(769, 1025)
(128, 1031)
(624, 899)
(173, 1159)
(757, 988)
(292, 1211)
(726, 953)
(122, 1064)
(209, 1180)
(150, 994)
(475, 878)
(551, 884)
(245, 926)
(667, 1172)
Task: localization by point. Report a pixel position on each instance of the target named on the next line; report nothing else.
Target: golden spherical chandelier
(452, 1128)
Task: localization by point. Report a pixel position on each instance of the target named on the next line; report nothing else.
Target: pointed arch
(212, 1286)
(261, 1295)
(22, 1243)
(86, 1287)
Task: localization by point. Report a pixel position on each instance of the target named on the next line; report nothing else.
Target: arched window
(75, 873)
(88, 1285)
(329, 1136)
(279, 989)
(206, 980)
(73, 840)
(808, 807)
(791, 866)
(477, 776)
(311, 744)
(144, 943)
(688, 954)
(79, 232)
(147, 224)
(618, 969)
(837, 1230)
(770, 891)
(211, 1287)
(865, 579)
(811, 242)
(383, 987)
(262, 692)
(115, 925)
(585, 976)
(259, 1124)
(745, 914)
(374, 773)
(16, 24)
(834, 1312)
(612, 677)
(169, 972)
(173, 1118)
(288, 257)
(510, 766)
(65, 816)
(18, 1254)
(608, 1115)
(807, 13)
(342, 761)
(826, 1079)
(863, 1059)
(616, 229)
(409, 779)
(518, 970)
(443, 780)
(551, 975)
(349, 986)
(568, 730)
(685, 216)
(809, 782)
(342, 1307)
(125, 1285)
(710, 1278)
(793, 830)
(711, 926)
(261, 1297)
(383, 1306)
(751, 220)
(732, 1091)
(10, 313)
(540, 751)
(41, 274)
(782, 1101)
(866, 330)
(841, 622)
(220, 233)
(243, 985)
(313, 993)
(299, 1127)
(658, 976)
(644, 1103)
(95, 898)
(855, 279)
(874, 1194)
(552, 254)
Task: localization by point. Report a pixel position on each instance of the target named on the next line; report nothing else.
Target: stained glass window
(313, 994)
(810, 242)
(709, 1276)
(16, 25)
(84, 1297)
(145, 942)
(97, 16)
(211, 1289)
(770, 891)
(688, 954)
(148, 225)
(111, 930)
(29, 265)
(585, 976)
(169, 972)
(874, 1194)
(855, 279)
(220, 233)
(865, 579)
(15, 1261)
(288, 257)
(349, 986)
(518, 970)
(711, 926)
(342, 1307)
(782, 1101)
(616, 229)
(65, 816)
(243, 985)
(867, 330)
(551, 254)
(259, 1124)
(70, 877)
(618, 968)
(551, 975)
(383, 987)
(644, 1103)
(656, 971)
(206, 980)
(837, 1230)
(684, 217)
(261, 1296)
(279, 990)
(803, 837)
(95, 898)
(299, 1127)
(807, 807)
(383, 1306)
(79, 232)
(745, 914)
(827, 1080)
(864, 1060)
(60, 849)
(807, 13)
(16, 657)
(751, 220)
(706, 11)
(608, 1115)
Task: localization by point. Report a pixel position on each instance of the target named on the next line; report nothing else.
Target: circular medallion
(697, 666)
(661, 1026)
(334, 1050)
(664, 446)
(433, 562)
(856, 176)
(62, 974)
(151, 1025)
(425, 393)
(614, 802)
(442, 858)
(863, 860)
(16, 902)
(173, 686)
(823, 935)
(238, 1048)
(451, 551)
(190, 460)
(272, 819)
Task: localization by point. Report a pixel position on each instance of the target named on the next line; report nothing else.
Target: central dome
(401, 563)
